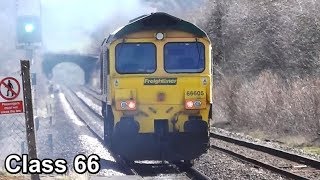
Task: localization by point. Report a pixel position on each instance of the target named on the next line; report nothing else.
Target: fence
(12, 136)
(17, 134)
(58, 132)
(49, 128)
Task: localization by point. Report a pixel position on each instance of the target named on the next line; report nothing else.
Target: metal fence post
(31, 139)
(22, 147)
(50, 142)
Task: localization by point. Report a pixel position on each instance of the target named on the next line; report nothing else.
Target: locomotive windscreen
(134, 58)
(184, 57)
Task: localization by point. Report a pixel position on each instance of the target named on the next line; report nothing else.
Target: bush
(270, 104)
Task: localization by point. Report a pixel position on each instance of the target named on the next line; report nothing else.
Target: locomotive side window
(184, 57)
(135, 58)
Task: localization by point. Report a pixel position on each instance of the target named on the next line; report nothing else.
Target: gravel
(70, 138)
(297, 168)
(218, 165)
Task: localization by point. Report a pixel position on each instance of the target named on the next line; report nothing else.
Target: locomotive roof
(156, 21)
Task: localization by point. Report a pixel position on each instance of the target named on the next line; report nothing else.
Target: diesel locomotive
(156, 78)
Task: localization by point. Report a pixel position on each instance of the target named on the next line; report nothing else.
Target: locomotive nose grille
(161, 126)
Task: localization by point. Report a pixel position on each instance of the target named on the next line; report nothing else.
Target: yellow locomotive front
(158, 86)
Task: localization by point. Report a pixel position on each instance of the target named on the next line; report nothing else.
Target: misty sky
(68, 24)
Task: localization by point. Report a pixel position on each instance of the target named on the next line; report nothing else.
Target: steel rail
(192, 173)
(91, 93)
(259, 163)
(127, 169)
(272, 151)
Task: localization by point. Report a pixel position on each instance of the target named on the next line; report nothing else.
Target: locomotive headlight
(159, 36)
(123, 105)
(197, 104)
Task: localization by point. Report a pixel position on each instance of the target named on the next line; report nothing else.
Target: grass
(295, 141)
(312, 149)
(7, 176)
(258, 134)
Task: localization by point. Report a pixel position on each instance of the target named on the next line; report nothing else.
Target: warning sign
(11, 96)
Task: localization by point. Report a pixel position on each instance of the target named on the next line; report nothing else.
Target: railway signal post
(32, 150)
(29, 33)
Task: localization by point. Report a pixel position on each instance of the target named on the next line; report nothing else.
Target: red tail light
(189, 104)
(131, 105)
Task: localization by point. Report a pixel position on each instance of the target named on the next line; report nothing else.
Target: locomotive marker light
(123, 105)
(159, 36)
(197, 103)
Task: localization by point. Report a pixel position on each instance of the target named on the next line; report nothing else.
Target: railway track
(91, 92)
(71, 98)
(132, 168)
(290, 165)
(298, 167)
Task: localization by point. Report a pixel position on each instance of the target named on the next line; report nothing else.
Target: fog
(73, 26)
(8, 54)
(75, 75)
(69, 25)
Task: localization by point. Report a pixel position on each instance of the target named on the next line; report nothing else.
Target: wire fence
(13, 129)
(17, 132)
(13, 139)
(58, 132)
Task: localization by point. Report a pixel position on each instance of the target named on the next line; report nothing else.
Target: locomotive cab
(156, 77)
